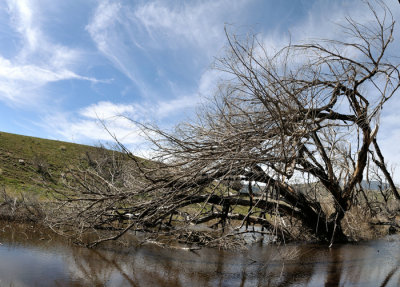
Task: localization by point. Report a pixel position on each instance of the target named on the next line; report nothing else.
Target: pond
(30, 256)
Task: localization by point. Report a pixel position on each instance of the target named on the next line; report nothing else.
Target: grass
(25, 161)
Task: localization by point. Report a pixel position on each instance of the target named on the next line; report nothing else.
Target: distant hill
(25, 160)
(372, 185)
(255, 188)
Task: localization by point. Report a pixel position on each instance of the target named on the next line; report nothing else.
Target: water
(30, 256)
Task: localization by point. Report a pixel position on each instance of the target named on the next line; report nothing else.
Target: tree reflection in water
(31, 256)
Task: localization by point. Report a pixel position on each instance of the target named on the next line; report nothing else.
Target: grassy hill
(25, 161)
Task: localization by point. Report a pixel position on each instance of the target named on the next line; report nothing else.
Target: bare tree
(299, 125)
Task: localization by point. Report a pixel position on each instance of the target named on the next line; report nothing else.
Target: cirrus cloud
(38, 60)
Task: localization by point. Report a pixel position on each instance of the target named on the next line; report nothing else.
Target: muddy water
(31, 257)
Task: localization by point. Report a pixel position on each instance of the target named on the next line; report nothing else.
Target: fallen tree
(300, 125)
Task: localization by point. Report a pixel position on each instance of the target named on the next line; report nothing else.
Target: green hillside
(27, 163)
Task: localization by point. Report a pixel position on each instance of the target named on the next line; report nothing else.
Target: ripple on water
(34, 257)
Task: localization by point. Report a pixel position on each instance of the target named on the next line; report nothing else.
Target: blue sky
(64, 64)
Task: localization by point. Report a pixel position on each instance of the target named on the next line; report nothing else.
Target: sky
(66, 64)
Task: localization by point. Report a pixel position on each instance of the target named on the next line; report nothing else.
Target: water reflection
(32, 257)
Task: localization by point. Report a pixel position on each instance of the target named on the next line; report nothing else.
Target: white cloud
(38, 62)
(209, 81)
(389, 144)
(103, 120)
(35, 74)
(106, 110)
(22, 16)
(132, 37)
(128, 35)
(323, 21)
(195, 23)
(113, 40)
(168, 108)
(88, 130)
(105, 17)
